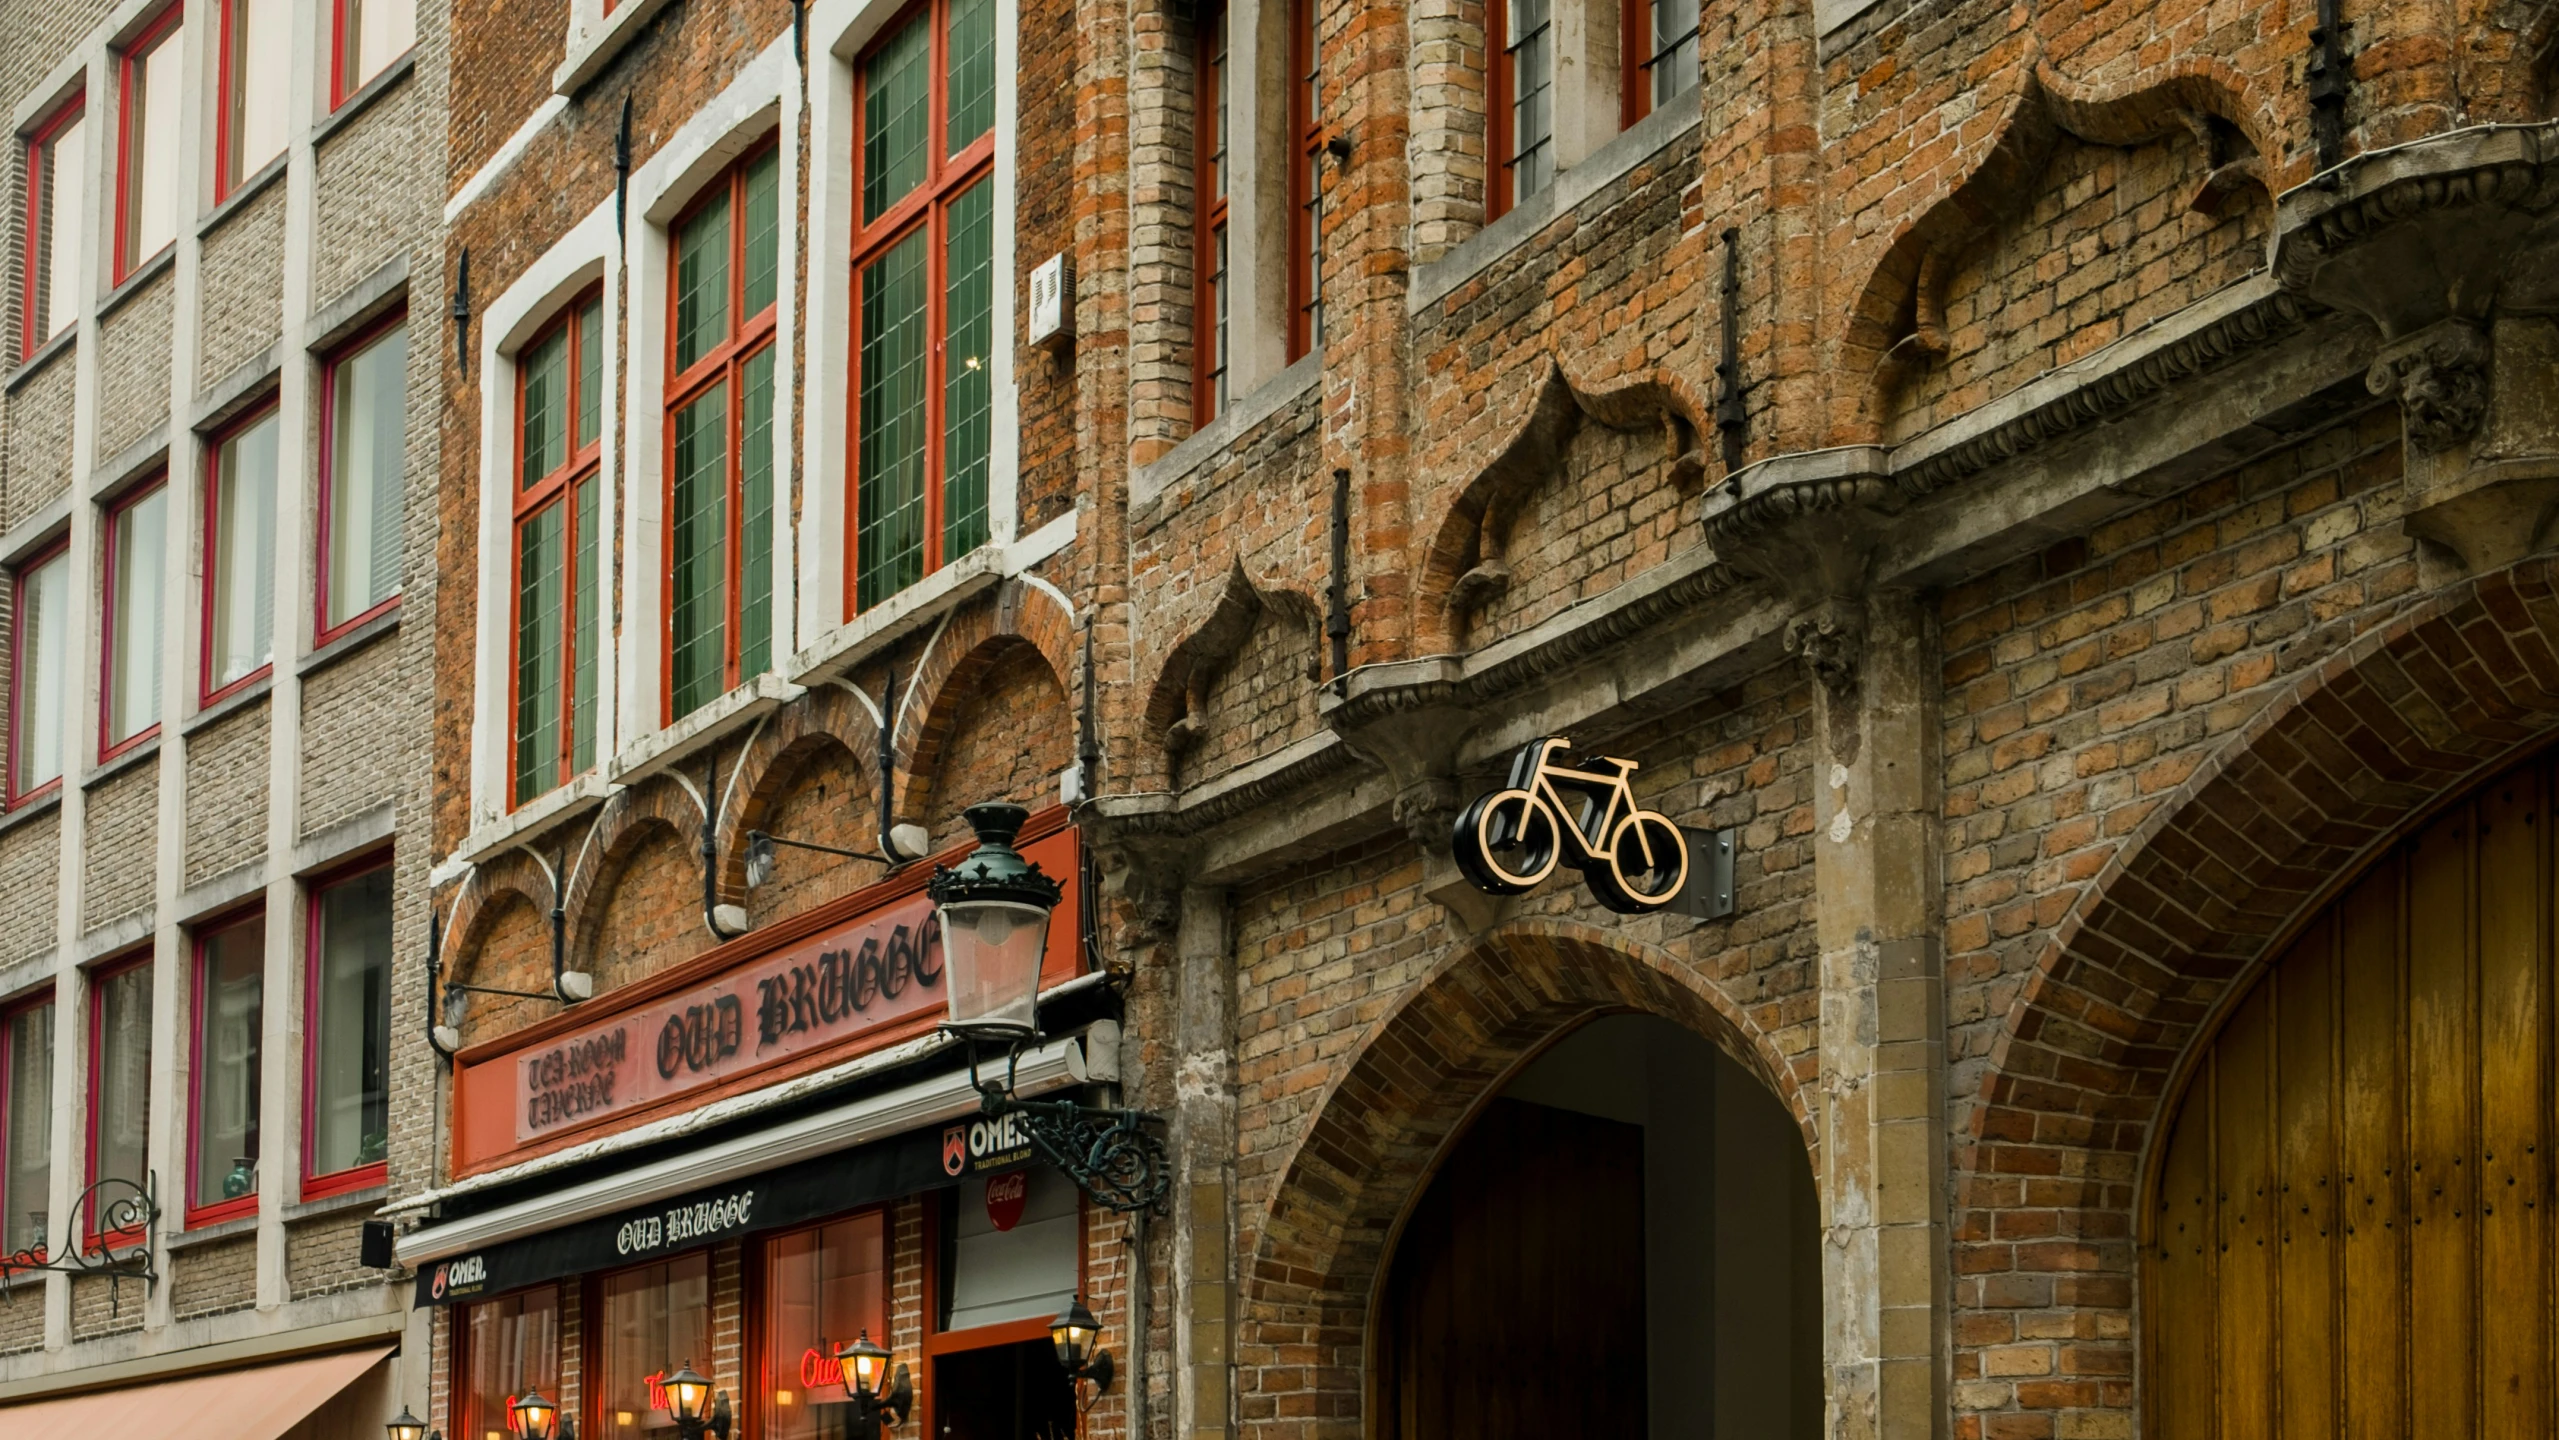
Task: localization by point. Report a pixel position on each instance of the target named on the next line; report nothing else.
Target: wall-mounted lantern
(689, 1399)
(405, 1426)
(880, 1397)
(1075, 1332)
(532, 1417)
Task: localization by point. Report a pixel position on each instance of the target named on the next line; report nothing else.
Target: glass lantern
(994, 908)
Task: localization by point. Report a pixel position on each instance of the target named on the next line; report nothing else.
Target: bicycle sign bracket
(1560, 808)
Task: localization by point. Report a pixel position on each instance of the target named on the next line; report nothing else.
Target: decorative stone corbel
(2440, 379)
(1416, 738)
(1831, 638)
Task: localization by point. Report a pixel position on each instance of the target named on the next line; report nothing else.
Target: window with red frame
(719, 435)
(363, 461)
(137, 567)
(559, 406)
(1003, 1255)
(653, 1318)
(824, 1287)
(1660, 43)
(370, 35)
(1523, 100)
(26, 1124)
(223, 1108)
(239, 548)
(119, 1080)
(57, 159)
(39, 648)
(151, 121)
(1305, 180)
(924, 273)
(507, 1346)
(1210, 305)
(257, 47)
(346, 1121)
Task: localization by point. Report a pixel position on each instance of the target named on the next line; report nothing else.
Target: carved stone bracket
(1832, 641)
(2440, 379)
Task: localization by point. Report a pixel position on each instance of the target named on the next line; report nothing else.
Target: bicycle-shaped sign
(1636, 861)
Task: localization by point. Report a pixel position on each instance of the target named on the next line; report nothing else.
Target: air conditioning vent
(1053, 302)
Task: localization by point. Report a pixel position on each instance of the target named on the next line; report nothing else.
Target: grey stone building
(223, 292)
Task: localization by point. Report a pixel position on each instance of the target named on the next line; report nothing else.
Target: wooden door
(1515, 1304)
(2351, 1234)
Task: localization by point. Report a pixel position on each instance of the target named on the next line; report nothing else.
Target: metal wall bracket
(1112, 1155)
(111, 1214)
(1709, 895)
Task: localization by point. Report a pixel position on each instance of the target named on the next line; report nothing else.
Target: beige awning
(260, 1402)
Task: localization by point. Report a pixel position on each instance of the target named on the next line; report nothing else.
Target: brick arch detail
(626, 820)
(2192, 907)
(1314, 1258)
(514, 874)
(1017, 614)
(828, 716)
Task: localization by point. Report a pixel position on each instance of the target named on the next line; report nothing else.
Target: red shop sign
(848, 976)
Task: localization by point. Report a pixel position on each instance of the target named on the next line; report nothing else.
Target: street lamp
(995, 909)
(405, 1427)
(531, 1416)
(1073, 1333)
(687, 1394)
(878, 1398)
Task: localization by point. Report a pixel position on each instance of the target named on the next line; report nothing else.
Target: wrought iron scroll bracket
(117, 1209)
(1112, 1155)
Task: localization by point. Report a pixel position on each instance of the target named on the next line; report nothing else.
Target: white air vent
(1053, 302)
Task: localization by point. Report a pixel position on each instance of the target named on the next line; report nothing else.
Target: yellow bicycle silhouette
(1510, 840)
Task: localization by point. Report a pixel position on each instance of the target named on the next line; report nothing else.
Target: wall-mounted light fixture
(1075, 1333)
(880, 1397)
(532, 1417)
(448, 1004)
(994, 908)
(407, 1427)
(689, 1399)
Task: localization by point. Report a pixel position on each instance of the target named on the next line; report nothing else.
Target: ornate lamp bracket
(119, 1208)
(1112, 1155)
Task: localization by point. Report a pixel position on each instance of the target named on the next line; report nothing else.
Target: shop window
(924, 267)
(1212, 303)
(119, 1082)
(256, 49)
(347, 1096)
(508, 1345)
(222, 1138)
(26, 1125)
(559, 404)
(364, 458)
(719, 423)
(1523, 106)
(655, 1319)
(823, 1287)
(57, 219)
(39, 639)
(239, 547)
(152, 116)
(1305, 180)
(370, 35)
(1661, 53)
(137, 567)
(1014, 1250)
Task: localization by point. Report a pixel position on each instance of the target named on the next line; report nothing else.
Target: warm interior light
(783, 1397)
(534, 1416)
(863, 1363)
(688, 1394)
(1073, 1333)
(405, 1426)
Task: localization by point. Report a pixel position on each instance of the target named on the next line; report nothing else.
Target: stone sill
(110, 769)
(670, 745)
(590, 51)
(45, 355)
(368, 1198)
(52, 799)
(176, 1241)
(255, 692)
(362, 100)
(241, 194)
(339, 648)
(1242, 418)
(1611, 162)
(134, 284)
(485, 843)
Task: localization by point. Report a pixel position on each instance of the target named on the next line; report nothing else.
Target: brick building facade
(219, 432)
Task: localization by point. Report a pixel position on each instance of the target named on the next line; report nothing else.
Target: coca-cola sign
(877, 970)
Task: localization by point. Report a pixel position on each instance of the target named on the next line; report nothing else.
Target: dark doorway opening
(1003, 1392)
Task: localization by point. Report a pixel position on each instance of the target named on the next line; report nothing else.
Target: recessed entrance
(1624, 1243)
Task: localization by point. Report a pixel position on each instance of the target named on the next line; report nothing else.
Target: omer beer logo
(459, 1277)
(1576, 809)
(989, 1144)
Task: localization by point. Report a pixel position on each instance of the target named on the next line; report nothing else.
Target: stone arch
(2195, 903)
(826, 717)
(662, 804)
(1173, 717)
(1018, 614)
(1313, 1258)
(1466, 565)
(1896, 326)
(511, 884)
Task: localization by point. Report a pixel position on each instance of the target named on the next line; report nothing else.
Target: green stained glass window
(540, 547)
(698, 529)
(586, 639)
(590, 373)
(763, 233)
(892, 434)
(702, 282)
(897, 91)
(546, 406)
(967, 368)
(755, 514)
(972, 72)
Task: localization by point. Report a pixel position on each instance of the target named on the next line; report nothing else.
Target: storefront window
(511, 1343)
(823, 1287)
(656, 1318)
